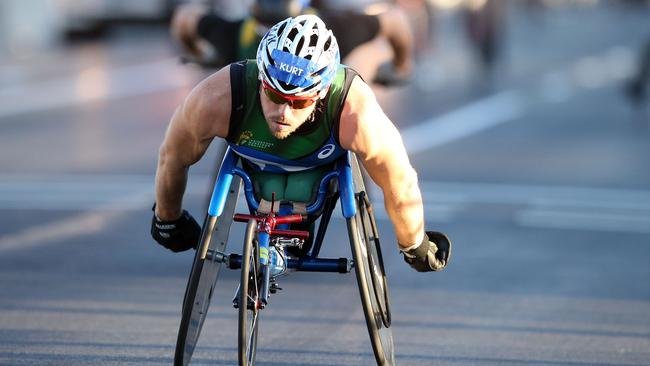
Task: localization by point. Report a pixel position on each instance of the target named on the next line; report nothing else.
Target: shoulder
(364, 128)
(360, 95)
(359, 108)
(207, 108)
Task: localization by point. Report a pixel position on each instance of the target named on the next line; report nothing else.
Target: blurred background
(526, 120)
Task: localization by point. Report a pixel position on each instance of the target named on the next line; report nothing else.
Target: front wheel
(198, 294)
(203, 278)
(371, 278)
(249, 297)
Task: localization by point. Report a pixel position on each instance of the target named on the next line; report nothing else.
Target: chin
(281, 135)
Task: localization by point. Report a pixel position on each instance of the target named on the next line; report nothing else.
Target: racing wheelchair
(268, 238)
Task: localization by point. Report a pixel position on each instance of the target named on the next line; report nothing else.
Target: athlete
(289, 115)
(208, 36)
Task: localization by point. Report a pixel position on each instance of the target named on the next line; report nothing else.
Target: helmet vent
(293, 33)
(285, 85)
(281, 29)
(268, 56)
(301, 44)
(328, 43)
(305, 44)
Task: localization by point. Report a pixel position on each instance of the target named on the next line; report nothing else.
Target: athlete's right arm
(184, 26)
(394, 25)
(204, 114)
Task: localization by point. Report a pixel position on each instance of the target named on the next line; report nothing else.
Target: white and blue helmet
(298, 56)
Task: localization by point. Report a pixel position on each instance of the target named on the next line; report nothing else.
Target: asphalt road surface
(539, 173)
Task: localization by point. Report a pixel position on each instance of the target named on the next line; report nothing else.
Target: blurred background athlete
(379, 45)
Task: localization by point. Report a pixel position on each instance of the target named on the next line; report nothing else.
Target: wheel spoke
(255, 279)
(249, 297)
(252, 341)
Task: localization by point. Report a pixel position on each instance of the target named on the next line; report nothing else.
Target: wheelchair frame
(255, 273)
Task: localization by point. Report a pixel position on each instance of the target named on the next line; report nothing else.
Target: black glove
(386, 75)
(176, 235)
(432, 254)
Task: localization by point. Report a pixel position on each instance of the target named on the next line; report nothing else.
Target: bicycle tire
(249, 287)
(203, 278)
(367, 265)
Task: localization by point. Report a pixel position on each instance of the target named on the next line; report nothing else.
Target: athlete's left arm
(367, 131)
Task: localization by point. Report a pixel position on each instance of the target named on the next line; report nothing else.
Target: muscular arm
(394, 25)
(204, 114)
(368, 132)
(184, 26)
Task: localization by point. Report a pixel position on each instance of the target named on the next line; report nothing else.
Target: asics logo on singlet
(326, 151)
(295, 70)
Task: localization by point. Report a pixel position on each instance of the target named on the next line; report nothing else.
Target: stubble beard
(282, 134)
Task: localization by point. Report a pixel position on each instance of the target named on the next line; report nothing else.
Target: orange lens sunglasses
(293, 102)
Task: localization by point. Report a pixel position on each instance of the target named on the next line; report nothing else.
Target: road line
(557, 207)
(595, 209)
(28, 191)
(465, 121)
(538, 195)
(94, 84)
(556, 87)
(84, 192)
(592, 221)
(57, 231)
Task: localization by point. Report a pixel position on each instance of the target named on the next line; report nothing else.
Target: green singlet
(316, 138)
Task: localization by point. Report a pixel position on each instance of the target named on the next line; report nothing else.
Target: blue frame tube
(222, 184)
(248, 188)
(322, 191)
(263, 238)
(228, 168)
(346, 187)
(337, 265)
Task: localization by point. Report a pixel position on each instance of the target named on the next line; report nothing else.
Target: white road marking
(554, 207)
(94, 84)
(593, 221)
(537, 195)
(54, 232)
(74, 226)
(465, 121)
(83, 192)
(70, 192)
(102, 198)
(555, 87)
